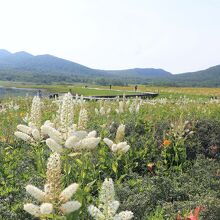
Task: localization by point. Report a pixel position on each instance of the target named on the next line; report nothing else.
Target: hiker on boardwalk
(110, 87)
(135, 88)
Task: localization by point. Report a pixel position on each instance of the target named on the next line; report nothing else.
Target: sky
(175, 35)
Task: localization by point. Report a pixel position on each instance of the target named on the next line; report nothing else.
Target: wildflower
(46, 208)
(35, 115)
(121, 107)
(53, 197)
(54, 146)
(83, 119)
(67, 111)
(195, 215)
(23, 136)
(70, 207)
(118, 146)
(38, 194)
(121, 147)
(29, 133)
(32, 209)
(24, 129)
(108, 205)
(102, 111)
(166, 143)
(75, 140)
(192, 216)
(120, 134)
(124, 215)
(67, 193)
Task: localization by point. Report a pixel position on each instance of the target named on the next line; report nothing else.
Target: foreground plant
(31, 133)
(118, 146)
(54, 201)
(74, 140)
(108, 206)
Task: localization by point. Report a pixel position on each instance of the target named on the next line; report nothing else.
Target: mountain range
(25, 67)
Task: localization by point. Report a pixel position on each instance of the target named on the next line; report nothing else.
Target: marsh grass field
(171, 169)
(89, 90)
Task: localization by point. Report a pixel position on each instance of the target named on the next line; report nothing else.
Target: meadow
(153, 159)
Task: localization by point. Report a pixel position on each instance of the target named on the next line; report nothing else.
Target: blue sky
(176, 35)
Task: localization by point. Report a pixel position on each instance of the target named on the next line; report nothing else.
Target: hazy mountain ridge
(22, 66)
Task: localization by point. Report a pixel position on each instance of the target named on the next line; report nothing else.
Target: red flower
(191, 216)
(195, 216)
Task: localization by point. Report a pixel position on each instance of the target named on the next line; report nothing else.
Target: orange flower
(166, 143)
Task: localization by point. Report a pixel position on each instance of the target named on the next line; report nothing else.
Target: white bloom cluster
(120, 134)
(13, 106)
(35, 115)
(8, 106)
(119, 146)
(83, 119)
(121, 107)
(52, 198)
(29, 133)
(133, 106)
(108, 205)
(75, 140)
(67, 111)
(102, 111)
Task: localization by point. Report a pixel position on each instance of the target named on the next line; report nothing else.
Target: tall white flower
(118, 146)
(83, 119)
(102, 111)
(53, 198)
(35, 115)
(32, 209)
(29, 133)
(67, 193)
(75, 140)
(121, 107)
(23, 136)
(108, 206)
(67, 111)
(46, 208)
(36, 193)
(70, 207)
(120, 134)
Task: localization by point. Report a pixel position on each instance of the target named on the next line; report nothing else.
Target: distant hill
(207, 77)
(25, 67)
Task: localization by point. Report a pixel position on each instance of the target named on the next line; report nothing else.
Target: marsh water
(6, 91)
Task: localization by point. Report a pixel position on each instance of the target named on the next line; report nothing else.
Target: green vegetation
(172, 165)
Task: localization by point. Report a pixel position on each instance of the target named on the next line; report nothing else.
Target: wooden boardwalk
(145, 95)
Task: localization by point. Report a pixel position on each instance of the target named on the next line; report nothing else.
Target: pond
(12, 91)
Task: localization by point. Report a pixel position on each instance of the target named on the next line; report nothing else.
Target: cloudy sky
(176, 35)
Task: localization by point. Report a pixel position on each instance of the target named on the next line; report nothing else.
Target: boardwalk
(145, 95)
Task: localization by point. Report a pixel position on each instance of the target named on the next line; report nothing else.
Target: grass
(164, 92)
(185, 172)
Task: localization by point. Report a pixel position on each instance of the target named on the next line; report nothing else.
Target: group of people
(135, 88)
